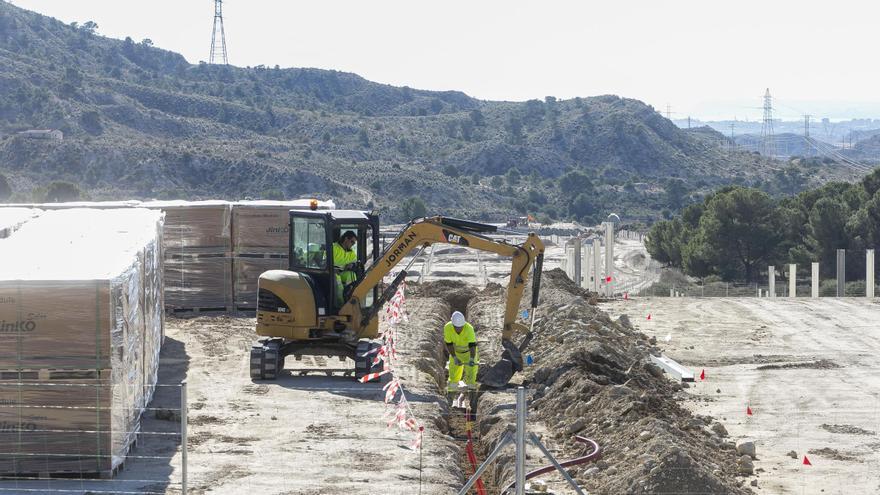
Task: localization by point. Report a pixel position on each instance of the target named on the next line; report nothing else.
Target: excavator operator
(461, 342)
(344, 262)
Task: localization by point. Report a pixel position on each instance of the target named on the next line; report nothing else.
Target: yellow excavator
(298, 313)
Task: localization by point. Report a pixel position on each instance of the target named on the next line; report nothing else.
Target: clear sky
(705, 58)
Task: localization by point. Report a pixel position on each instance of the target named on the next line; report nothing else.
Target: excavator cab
(312, 235)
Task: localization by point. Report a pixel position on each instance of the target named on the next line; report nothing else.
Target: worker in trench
(461, 342)
(344, 262)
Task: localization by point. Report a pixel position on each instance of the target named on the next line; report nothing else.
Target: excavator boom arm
(427, 231)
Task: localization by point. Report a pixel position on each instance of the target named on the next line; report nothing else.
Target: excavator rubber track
(365, 355)
(266, 359)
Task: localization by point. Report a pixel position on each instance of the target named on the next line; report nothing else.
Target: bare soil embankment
(591, 378)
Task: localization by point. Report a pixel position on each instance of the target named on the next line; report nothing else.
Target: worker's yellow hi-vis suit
(341, 257)
(461, 344)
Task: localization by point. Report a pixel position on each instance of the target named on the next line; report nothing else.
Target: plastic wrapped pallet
(258, 226)
(12, 218)
(79, 345)
(195, 225)
(95, 205)
(198, 282)
(246, 273)
(260, 238)
(197, 264)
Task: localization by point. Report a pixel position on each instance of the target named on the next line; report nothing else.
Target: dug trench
(591, 376)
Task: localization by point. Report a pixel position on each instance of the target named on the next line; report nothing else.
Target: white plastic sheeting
(13, 218)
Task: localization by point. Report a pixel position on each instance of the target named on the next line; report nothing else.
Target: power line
(218, 37)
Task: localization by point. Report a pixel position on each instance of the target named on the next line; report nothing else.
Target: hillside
(141, 122)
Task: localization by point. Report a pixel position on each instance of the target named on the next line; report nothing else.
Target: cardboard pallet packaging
(260, 239)
(199, 226)
(265, 225)
(246, 273)
(198, 282)
(81, 326)
(197, 263)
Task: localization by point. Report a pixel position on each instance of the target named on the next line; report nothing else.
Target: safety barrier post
(815, 281)
(792, 280)
(183, 447)
(520, 441)
(841, 272)
(869, 275)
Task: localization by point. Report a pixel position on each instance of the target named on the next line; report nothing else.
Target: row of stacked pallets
(81, 327)
(215, 251)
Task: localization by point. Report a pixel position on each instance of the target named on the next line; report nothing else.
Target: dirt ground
(807, 368)
(304, 435)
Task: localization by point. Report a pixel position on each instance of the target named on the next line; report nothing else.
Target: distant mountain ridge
(142, 122)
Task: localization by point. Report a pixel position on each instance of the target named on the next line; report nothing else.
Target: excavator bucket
(499, 374)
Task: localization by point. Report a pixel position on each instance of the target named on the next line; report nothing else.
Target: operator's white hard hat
(457, 319)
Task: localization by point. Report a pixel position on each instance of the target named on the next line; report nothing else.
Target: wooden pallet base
(195, 311)
(70, 475)
(49, 374)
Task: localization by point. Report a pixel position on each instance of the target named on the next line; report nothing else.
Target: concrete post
(587, 262)
(869, 273)
(576, 269)
(841, 272)
(815, 281)
(597, 262)
(771, 273)
(609, 257)
(792, 280)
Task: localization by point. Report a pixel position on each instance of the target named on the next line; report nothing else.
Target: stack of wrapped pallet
(81, 325)
(260, 238)
(13, 218)
(197, 255)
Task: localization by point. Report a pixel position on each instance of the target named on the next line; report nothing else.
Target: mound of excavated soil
(591, 377)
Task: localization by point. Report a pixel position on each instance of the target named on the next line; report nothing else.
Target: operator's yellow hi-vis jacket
(341, 257)
(461, 344)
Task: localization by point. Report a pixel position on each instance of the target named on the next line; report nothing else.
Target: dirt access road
(809, 369)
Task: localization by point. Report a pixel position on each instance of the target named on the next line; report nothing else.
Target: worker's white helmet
(457, 319)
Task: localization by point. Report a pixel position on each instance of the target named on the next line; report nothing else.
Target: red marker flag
(748, 411)
(807, 461)
(608, 280)
(703, 375)
(625, 296)
(649, 316)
